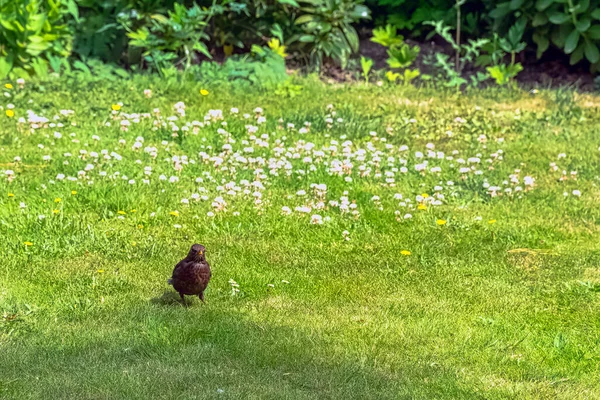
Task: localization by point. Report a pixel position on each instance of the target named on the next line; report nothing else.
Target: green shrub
(246, 22)
(101, 32)
(572, 26)
(409, 14)
(32, 32)
(328, 30)
(174, 38)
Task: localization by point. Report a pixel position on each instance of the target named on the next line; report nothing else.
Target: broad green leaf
(36, 39)
(541, 5)
(40, 67)
(516, 4)
(571, 41)
(515, 33)
(160, 18)
(387, 36)
(596, 13)
(582, 7)
(303, 19)
(18, 26)
(593, 32)
(289, 2)
(55, 63)
(121, 72)
(36, 49)
(514, 69)
(591, 52)
(583, 24)
(577, 55)
(558, 18)
(36, 22)
(8, 25)
(559, 35)
(497, 74)
(73, 9)
(501, 10)
(6, 64)
(352, 38)
(539, 19)
(201, 47)
(18, 72)
(82, 67)
(542, 44)
(107, 27)
(307, 38)
(361, 12)
(277, 32)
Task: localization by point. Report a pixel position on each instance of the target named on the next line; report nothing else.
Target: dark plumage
(192, 274)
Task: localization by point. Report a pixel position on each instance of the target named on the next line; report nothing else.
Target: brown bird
(192, 274)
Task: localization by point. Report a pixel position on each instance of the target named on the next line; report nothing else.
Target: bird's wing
(179, 265)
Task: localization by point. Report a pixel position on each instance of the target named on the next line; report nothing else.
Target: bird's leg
(182, 299)
(201, 297)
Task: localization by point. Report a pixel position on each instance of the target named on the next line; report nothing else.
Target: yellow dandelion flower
(140, 226)
(57, 200)
(55, 211)
(28, 244)
(492, 221)
(11, 195)
(8, 86)
(204, 92)
(120, 212)
(100, 271)
(116, 107)
(174, 213)
(405, 253)
(425, 195)
(10, 113)
(441, 222)
(73, 192)
(422, 207)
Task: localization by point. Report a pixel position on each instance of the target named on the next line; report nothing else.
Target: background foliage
(39, 36)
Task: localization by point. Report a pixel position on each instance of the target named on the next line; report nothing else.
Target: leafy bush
(175, 37)
(571, 26)
(103, 25)
(328, 31)
(246, 22)
(32, 32)
(409, 14)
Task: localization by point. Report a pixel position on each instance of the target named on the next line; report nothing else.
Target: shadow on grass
(172, 353)
(168, 298)
(171, 298)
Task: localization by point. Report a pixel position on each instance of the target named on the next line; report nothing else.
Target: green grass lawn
(365, 242)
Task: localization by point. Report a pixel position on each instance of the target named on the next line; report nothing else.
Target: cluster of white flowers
(244, 164)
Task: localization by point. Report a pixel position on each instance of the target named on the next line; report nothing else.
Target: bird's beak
(200, 252)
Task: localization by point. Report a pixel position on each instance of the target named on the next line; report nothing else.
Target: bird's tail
(170, 281)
